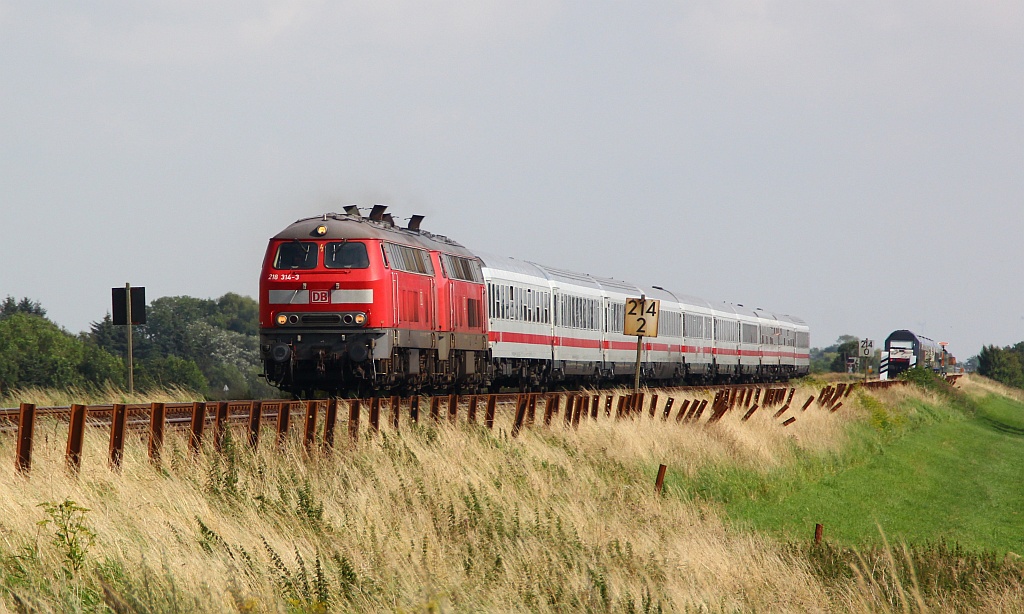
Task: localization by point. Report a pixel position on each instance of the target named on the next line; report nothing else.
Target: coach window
(296, 255)
(346, 255)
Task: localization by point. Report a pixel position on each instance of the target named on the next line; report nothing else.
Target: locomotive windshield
(346, 255)
(296, 255)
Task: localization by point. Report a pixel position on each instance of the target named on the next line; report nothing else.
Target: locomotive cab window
(296, 255)
(346, 255)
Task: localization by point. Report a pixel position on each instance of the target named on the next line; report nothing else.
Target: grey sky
(857, 164)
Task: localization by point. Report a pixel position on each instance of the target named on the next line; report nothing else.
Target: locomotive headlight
(360, 318)
(282, 319)
(321, 230)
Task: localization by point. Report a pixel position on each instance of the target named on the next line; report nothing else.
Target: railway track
(691, 404)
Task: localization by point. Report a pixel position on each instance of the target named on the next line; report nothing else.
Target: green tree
(1002, 364)
(828, 359)
(846, 350)
(237, 313)
(98, 366)
(9, 307)
(219, 337)
(165, 371)
(37, 352)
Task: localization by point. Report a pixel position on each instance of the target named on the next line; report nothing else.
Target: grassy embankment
(463, 519)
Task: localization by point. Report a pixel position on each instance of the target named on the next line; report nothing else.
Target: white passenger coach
(550, 325)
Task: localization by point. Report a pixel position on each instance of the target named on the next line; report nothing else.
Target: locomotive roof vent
(415, 221)
(390, 221)
(352, 210)
(377, 213)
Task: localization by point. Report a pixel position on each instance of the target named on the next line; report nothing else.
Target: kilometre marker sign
(642, 317)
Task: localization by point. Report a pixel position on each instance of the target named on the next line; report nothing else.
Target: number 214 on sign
(642, 317)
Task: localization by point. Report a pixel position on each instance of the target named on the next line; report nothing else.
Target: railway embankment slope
(436, 518)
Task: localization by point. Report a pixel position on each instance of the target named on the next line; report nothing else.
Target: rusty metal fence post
(353, 419)
(76, 437)
(453, 409)
(489, 413)
(255, 416)
(284, 421)
(330, 420)
(118, 415)
(220, 425)
(26, 426)
(309, 426)
(396, 409)
(435, 408)
(520, 415)
(660, 482)
(195, 441)
(375, 415)
(157, 421)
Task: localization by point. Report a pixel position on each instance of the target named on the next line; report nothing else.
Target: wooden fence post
(76, 437)
(157, 420)
(118, 415)
(660, 482)
(26, 426)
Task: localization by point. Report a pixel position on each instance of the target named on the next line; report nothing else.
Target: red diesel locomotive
(353, 304)
(350, 304)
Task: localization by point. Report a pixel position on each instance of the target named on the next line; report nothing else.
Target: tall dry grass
(430, 518)
(52, 397)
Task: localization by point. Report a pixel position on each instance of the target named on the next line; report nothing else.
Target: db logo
(319, 296)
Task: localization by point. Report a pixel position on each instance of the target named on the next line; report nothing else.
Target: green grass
(938, 476)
